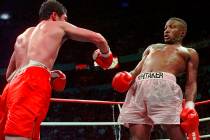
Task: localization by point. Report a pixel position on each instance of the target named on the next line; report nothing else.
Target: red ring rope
(202, 102)
(85, 101)
(105, 102)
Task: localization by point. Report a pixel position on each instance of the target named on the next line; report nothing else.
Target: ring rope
(97, 124)
(85, 101)
(104, 123)
(92, 123)
(204, 119)
(79, 123)
(202, 102)
(104, 102)
(205, 136)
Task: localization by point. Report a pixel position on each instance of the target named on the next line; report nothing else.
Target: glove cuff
(190, 104)
(105, 55)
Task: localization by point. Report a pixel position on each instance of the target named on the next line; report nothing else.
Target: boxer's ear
(183, 33)
(53, 16)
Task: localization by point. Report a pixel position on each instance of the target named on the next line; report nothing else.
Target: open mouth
(166, 37)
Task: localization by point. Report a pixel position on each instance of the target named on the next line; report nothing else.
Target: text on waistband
(151, 75)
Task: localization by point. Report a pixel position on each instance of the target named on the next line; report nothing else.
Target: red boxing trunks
(24, 103)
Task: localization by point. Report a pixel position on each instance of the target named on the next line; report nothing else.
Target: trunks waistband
(156, 75)
(35, 63)
(30, 64)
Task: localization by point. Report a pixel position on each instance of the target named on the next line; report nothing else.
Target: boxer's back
(45, 42)
(20, 47)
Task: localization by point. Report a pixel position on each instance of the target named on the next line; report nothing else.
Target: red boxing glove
(190, 119)
(58, 80)
(194, 135)
(103, 60)
(122, 81)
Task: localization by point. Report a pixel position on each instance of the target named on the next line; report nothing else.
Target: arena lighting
(82, 67)
(5, 16)
(124, 4)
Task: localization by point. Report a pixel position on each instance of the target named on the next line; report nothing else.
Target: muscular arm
(11, 67)
(85, 35)
(191, 82)
(135, 72)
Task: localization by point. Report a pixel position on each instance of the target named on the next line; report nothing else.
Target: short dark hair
(50, 6)
(183, 22)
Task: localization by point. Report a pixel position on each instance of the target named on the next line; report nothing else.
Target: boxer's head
(175, 30)
(52, 9)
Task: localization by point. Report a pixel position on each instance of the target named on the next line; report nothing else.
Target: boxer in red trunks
(153, 96)
(26, 97)
(18, 60)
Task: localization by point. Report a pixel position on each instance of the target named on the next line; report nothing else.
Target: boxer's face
(173, 32)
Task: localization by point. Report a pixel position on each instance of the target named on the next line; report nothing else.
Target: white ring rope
(204, 119)
(93, 123)
(205, 136)
(103, 124)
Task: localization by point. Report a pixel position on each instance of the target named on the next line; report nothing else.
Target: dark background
(129, 27)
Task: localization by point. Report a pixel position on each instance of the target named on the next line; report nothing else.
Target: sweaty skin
(37, 47)
(45, 40)
(171, 57)
(48, 36)
(19, 56)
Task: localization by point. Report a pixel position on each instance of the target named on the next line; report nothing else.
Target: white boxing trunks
(154, 98)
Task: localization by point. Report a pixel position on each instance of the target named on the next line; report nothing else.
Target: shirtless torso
(171, 59)
(174, 58)
(45, 40)
(28, 73)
